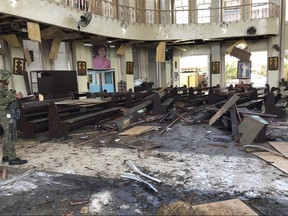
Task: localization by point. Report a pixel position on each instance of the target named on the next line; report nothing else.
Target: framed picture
(81, 68)
(215, 67)
(129, 67)
(18, 66)
(244, 70)
(273, 63)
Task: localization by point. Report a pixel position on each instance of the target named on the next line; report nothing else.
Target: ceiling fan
(84, 20)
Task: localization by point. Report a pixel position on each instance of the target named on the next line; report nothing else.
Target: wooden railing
(127, 14)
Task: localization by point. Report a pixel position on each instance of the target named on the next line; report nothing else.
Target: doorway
(101, 80)
(194, 71)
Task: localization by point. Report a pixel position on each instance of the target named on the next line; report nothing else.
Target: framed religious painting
(244, 70)
(273, 63)
(18, 66)
(81, 68)
(129, 67)
(215, 67)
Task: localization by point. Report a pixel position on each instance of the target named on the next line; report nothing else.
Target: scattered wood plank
(224, 108)
(4, 173)
(143, 145)
(173, 122)
(228, 207)
(279, 162)
(137, 130)
(263, 148)
(79, 203)
(20, 176)
(282, 147)
(234, 123)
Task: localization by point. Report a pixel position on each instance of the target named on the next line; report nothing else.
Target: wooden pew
(63, 118)
(274, 104)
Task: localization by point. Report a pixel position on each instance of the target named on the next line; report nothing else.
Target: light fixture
(13, 3)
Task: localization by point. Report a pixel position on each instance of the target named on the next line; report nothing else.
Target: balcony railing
(127, 14)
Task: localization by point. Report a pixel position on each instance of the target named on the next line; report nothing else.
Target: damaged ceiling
(10, 24)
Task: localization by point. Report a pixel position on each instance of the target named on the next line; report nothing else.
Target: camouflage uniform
(6, 96)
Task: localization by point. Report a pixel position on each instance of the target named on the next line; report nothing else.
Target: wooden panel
(279, 162)
(224, 108)
(137, 130)
(282, 147)
(121, 50)
(54, 49)
(12, 40)
(34, 31)
(228, 207)
(160, 52)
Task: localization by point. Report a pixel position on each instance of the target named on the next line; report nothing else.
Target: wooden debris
(234, 123)
(4, 173)
(173, 122)
(143, 145)
(79, 203)
(21, 176)
(263, 148)
(252, 127)
(82, 143)
(282, 147)
(138, 130)
(228, 207)
(224, 108)
(279, 162)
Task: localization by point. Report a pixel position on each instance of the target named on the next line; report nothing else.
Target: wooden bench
(274, 104)
(33, 117)
(63, 118)
(161, 103)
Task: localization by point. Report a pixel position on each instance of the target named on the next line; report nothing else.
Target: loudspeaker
(251, 30)
(169, 54)
(276, 47)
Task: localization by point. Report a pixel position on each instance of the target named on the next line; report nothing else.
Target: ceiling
(10, 24)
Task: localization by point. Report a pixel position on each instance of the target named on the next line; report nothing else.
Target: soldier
(7, 96)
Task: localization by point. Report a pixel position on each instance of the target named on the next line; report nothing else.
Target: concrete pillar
(215, 14)
(17, 81)
(273, 76)
(176, 71)
(79, 53)
(216, 56)
(128, 78)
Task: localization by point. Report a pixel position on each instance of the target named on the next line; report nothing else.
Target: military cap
(4, 74)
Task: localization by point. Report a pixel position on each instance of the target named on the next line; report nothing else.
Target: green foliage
(230, 71)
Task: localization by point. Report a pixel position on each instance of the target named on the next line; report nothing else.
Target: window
(260, 9)
(203, 7)
(181, 14)
(232, 10)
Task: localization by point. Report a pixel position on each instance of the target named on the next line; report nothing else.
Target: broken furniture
(274, 105)
(69, 115)
(33, 117)
(252, 129)
(249, 99)
(161, 103)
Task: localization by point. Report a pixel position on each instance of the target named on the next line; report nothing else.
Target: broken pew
(274, 105)
(63, 118)
(161, 103)
(33, 117)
